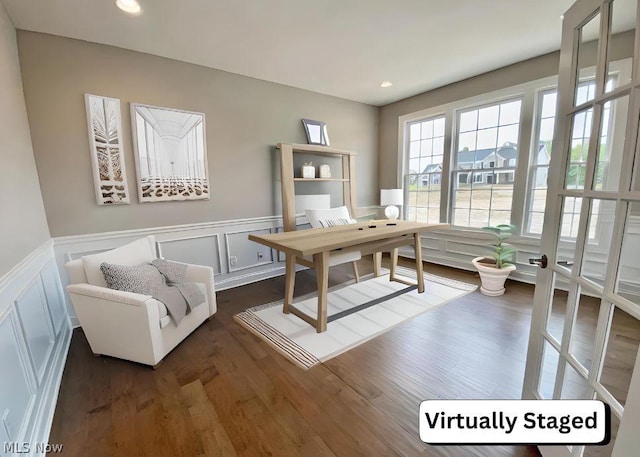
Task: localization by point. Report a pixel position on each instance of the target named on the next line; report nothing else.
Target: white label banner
(514, 422)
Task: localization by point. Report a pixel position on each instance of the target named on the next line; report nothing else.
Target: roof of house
(506, 151)
(433, 168)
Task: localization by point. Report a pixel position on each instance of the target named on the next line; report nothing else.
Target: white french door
(585, 329)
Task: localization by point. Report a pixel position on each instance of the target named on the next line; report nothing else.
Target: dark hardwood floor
(223, 392)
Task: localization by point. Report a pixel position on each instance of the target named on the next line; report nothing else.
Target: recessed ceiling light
(129, 6)
(386, 84)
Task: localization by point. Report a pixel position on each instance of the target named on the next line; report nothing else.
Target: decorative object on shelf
(308, 170)
(107, 157)
(316, 132)
(325, 171)
(495, 268)
(171, 154)
(391, 198)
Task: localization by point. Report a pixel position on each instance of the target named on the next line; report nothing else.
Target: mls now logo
(15, 447)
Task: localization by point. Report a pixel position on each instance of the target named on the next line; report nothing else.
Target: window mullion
(521, 183)
(446, 185)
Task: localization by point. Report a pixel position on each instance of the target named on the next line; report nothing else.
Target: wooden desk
(373, 237)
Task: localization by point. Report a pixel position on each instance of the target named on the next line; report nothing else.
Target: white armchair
(128, 325)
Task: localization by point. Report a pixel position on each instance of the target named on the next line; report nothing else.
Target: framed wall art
(316, 132)
(107, 156)
(171, 154)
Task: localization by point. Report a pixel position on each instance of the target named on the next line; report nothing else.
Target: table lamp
(391, 198)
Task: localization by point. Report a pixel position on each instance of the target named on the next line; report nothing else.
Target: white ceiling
(343, 48)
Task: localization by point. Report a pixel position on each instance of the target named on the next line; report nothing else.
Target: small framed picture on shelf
(316, 132)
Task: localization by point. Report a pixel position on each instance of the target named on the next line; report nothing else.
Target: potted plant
(494, 269)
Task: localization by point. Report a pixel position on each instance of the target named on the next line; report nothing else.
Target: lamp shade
(391, 197)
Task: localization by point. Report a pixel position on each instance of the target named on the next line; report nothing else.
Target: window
(487, 146)
(539, 167)
(426, 152)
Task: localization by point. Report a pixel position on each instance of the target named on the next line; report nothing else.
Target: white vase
(308, 171)
(492, 278)
(325, 171)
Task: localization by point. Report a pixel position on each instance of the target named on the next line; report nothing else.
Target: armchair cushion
(178, 297)
(140, 279)
(139, 252)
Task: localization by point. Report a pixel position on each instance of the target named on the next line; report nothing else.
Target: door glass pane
(580, 134)
(556, 316)
(620, 355)
(604, 451)
(583, 335)
(613, 129)
(627, 282)
(569, 222)
(621, 38)
(548, 371)
(599, 233)
(575, 386)
(587, 52)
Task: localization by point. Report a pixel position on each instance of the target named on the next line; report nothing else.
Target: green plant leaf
(509, 227)
(492, 230)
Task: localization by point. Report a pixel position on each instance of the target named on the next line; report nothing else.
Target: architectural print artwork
(171, 154)
(107, 158)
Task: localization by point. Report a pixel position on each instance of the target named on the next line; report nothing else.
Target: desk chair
(321, 218)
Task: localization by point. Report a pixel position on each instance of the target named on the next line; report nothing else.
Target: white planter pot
(492, 278)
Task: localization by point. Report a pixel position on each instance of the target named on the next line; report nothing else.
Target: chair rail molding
(201, 243)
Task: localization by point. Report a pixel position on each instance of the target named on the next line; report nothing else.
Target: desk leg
(394, 264)
(377, 263)
(289, 282)
(418, 250)
(321, 261)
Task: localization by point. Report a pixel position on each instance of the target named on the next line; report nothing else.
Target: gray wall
(245, 118)
(23, 226)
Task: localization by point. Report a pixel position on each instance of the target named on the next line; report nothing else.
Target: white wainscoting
(456, 248)
(35, 333)
(236, 261)
(223, 245)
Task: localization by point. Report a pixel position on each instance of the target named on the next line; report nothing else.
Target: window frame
(419, 174)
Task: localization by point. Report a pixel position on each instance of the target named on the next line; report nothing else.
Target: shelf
(346, 170)
(316, 149)
(321, 179)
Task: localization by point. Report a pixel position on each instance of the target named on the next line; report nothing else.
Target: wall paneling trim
(35, 333)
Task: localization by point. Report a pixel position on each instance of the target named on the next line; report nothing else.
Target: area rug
(299, 341)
